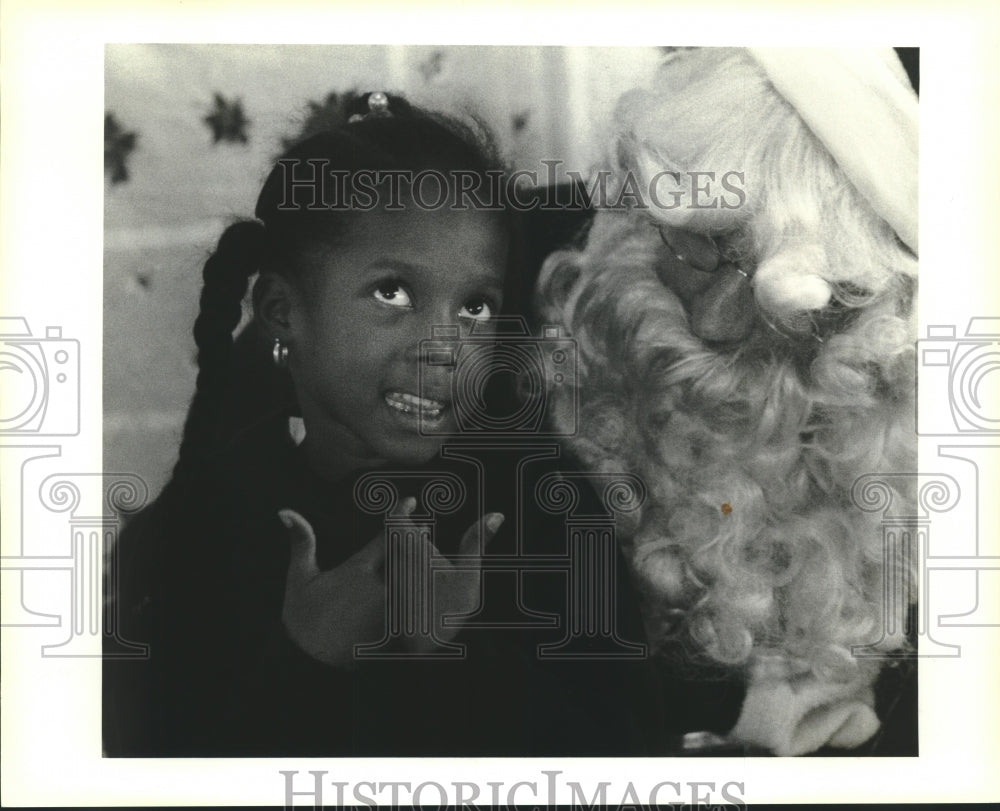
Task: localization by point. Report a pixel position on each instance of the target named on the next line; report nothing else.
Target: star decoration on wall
(227, 121)
(118, 144)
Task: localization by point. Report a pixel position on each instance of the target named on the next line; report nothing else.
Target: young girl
(255, 574)
(747, 333)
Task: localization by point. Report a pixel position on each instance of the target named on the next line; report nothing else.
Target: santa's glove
(800, 714)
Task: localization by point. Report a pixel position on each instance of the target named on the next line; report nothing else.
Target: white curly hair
(750, 549)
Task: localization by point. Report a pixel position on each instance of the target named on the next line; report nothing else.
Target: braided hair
(298, 208)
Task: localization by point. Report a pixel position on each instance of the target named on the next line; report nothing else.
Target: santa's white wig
(750, 548)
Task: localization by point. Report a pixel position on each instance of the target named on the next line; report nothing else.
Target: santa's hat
(859, 103)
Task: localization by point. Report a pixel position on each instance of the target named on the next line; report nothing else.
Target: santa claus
(744, 312)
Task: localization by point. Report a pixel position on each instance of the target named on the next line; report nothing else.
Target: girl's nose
(436, 339)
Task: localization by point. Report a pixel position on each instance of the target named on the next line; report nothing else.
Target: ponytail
(226, 278)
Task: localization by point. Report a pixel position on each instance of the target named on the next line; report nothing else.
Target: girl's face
(360, 313)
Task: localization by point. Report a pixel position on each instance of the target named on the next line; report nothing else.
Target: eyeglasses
(702, 251)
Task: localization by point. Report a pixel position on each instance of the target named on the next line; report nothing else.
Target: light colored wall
(162, 223)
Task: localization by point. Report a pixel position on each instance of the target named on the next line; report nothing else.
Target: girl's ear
(273, 298)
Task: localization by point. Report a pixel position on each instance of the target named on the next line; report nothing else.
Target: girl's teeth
(410, 404)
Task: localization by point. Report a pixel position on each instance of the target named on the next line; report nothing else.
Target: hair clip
(378, 105)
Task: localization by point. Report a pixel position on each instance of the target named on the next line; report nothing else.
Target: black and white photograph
(464, 420)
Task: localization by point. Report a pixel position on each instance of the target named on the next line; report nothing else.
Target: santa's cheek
(683, 280)
(725, 310)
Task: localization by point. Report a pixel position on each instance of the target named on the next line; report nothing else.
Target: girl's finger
(490, 523)
(372, 554)
(404, 507)
(302, 565)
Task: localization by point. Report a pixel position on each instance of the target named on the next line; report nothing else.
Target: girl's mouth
(407, 403)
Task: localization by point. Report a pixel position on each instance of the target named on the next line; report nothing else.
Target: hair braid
(226, 278)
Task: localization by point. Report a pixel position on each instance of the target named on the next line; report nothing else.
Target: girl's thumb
(470, 541)
(302, 564)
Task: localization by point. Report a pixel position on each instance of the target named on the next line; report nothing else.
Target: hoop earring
(280, 354)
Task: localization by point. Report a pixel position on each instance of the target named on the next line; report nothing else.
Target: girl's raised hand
(457, 586)
(327, 613)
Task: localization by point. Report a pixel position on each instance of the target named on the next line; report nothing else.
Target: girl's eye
(478, 310)
(393, 294)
